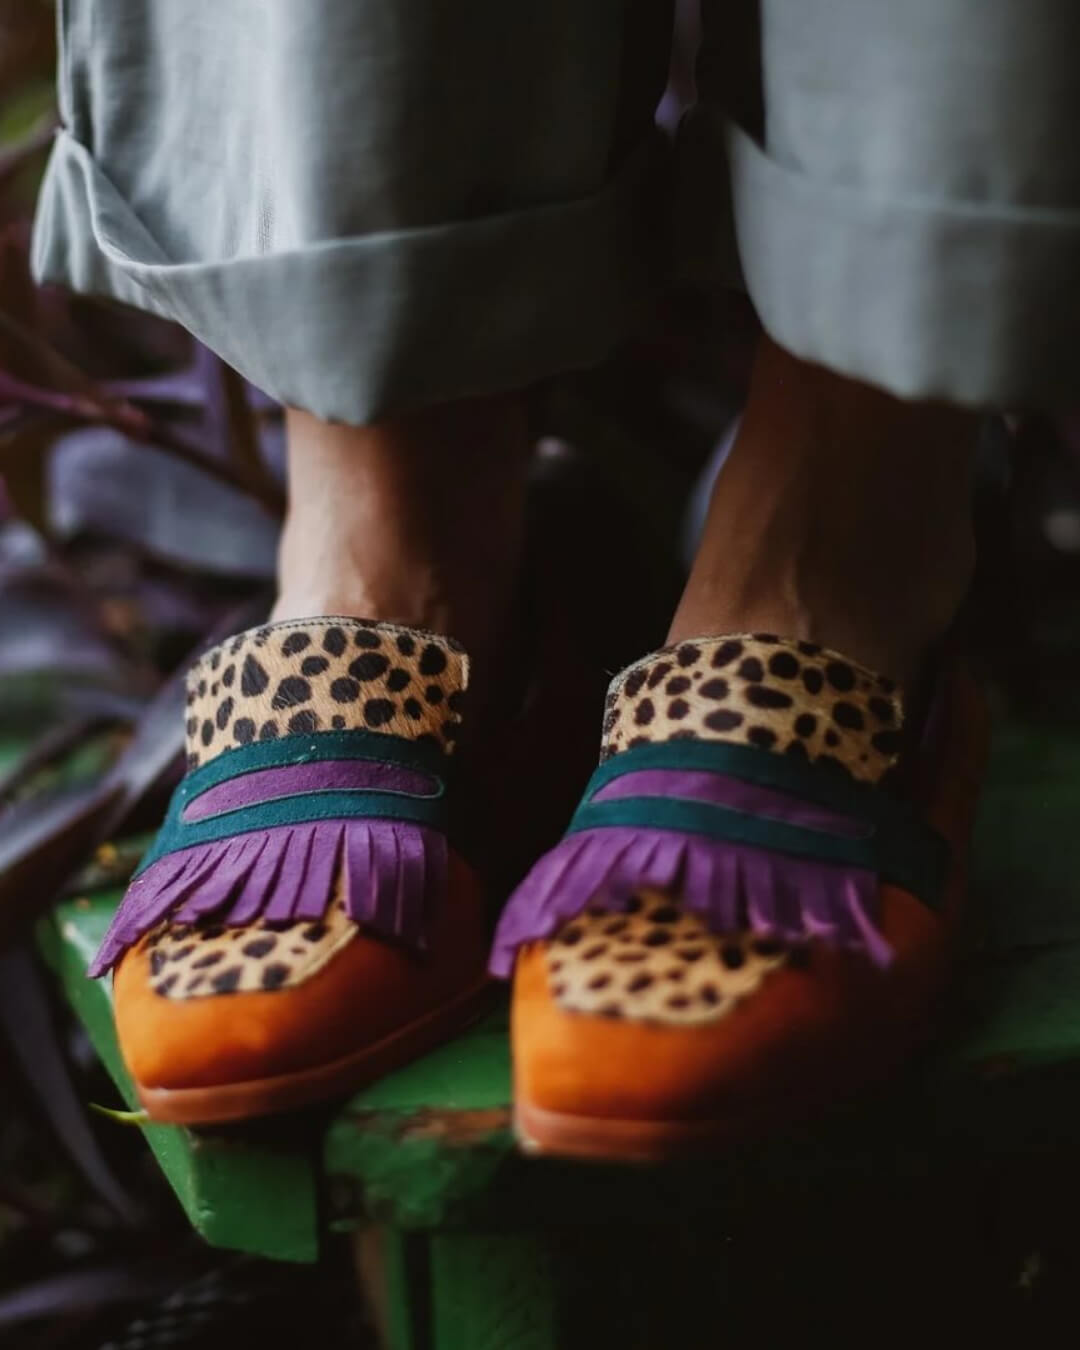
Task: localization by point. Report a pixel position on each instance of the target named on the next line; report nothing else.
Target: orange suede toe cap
(808, 1031)
(367, 991)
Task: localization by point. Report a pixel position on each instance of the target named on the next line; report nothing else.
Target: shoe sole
(225, 1102)
(540, 1132)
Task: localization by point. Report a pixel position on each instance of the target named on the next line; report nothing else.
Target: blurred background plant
(140, 492)
(140, 495)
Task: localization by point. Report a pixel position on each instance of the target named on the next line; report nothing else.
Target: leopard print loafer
(752, 911)
(302, 924)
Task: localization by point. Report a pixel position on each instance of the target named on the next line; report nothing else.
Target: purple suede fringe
(288, 873)
(731, 886)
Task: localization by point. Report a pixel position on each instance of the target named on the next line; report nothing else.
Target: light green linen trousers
(368, 205)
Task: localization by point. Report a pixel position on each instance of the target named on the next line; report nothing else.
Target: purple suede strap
(723, 790)
(292, 780)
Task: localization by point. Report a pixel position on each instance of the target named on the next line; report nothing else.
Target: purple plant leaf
(26, 1019)
(99, 703)
(183, 388)
(155, 752)
(176, 388)
(16, 393)
(217, 416)
(174, 603)
(83, 400)
(102, 483)
(231, 424)
(43, 840)
(49, 620)
(81, 1291)
(272, 447)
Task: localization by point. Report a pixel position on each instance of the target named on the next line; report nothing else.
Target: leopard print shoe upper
(787, 697)
(298, 677)
(657, 962)
(289, 679)
(189, 960)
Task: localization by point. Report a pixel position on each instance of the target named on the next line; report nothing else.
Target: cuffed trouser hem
(353, 329)
(976, 303)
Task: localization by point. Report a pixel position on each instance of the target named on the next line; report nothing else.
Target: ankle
(842, 517)
(853, 601)
(417, 520)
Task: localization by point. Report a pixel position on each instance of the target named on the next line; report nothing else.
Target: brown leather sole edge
(226, 1102)
(543, 1133)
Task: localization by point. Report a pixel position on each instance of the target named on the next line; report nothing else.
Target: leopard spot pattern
(298, 678)
(755, 689)
(656, 962)
(199, 960)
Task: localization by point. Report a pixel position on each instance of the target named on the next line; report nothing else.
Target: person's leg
(898, 188)
(752, 911)
(842, 516)
(416, 520)
(491, 224)
(393, 219)
(743, 924)
(365, 207)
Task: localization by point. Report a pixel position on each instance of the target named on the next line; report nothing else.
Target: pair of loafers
(750, 915)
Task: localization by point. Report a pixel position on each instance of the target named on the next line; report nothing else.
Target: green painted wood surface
(1027, 845)
(253, 1191)
(469, 1291)
(430, 1147)
(493, 1292)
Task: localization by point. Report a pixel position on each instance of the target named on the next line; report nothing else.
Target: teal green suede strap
(334, 804)
(823, 784)
(894, 843)
(321, 745)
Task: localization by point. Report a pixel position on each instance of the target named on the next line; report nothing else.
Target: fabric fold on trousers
(976, 303)
(901, 185)
(366, 206)
(351, 328)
